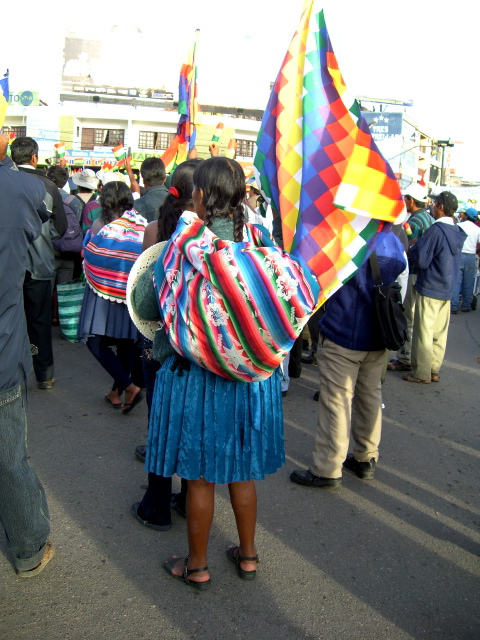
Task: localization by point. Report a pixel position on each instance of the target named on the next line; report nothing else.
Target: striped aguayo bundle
(234, 308)
(111, 253)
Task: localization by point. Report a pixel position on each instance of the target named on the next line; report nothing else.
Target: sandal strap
(247, 558)
(187, 572)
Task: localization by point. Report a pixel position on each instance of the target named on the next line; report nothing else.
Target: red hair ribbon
(174, 192)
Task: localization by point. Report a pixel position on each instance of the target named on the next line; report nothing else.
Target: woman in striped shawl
(111, 247)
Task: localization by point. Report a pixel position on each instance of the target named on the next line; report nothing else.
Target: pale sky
(419, 49)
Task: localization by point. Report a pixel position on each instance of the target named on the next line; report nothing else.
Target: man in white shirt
(468, 266)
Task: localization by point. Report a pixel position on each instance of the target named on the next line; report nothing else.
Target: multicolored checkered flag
(318, 164)
(184, 141)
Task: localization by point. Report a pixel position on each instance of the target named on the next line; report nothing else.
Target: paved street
(396, 558)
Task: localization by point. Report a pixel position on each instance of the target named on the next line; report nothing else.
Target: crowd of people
(191, 303)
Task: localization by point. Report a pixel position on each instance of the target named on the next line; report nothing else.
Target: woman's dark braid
(238, 222)
(168, 217)
(208, 220)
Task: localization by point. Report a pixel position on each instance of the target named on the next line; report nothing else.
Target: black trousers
(313, 326)
(118, 365)
(295, 364)
(37, 298)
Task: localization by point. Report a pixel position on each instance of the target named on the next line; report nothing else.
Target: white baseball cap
(416, 191)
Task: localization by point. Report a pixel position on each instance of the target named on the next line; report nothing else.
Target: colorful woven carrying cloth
(110, 254)
(234, 308)
(318, 165)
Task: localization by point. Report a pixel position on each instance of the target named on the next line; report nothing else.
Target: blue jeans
(465, 282)
(23, 505)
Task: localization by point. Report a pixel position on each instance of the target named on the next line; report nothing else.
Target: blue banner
(4, 87)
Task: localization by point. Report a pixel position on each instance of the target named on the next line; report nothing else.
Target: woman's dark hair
(223, 184)
(172, 207)
(115, 199)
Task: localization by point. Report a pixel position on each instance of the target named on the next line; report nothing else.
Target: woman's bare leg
(243, 497)
(200, 506)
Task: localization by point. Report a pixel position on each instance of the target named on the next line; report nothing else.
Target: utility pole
(443, 144)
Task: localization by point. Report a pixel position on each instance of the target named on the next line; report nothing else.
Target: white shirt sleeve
(403, 278)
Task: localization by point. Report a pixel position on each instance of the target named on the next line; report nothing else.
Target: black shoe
(454, 312)
(316, 396)
(308, 359)
(364, 470)
(308, 479)
(284, 393)
(465, 310)
(178, 504)
(146, 523)
(141, 452)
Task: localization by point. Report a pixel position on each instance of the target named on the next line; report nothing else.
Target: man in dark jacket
(351, 358)
(37, 288)
(23, 505)
(436, 256)
(153, 174)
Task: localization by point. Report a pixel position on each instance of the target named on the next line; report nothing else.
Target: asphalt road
(396, 558)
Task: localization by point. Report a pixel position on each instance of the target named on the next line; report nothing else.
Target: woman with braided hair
(111, 247)
(178, 200)
(216, 414)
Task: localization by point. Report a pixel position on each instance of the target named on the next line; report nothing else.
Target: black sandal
(201, 586)
(126, 408)
(114, 405)
(237, 559)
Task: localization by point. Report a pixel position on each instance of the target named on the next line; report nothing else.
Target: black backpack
(389, 310)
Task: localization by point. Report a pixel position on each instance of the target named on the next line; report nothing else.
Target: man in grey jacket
(37, 288)
(154, 176)
(23, 505)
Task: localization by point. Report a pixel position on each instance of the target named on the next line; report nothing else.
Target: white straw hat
(86, 178)
(143, 262)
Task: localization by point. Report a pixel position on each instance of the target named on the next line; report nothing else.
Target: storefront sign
(383, 125)
(98, 158)
(129, 92)
(24, 98)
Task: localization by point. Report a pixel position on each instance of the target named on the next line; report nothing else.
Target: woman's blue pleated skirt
(205, 426)
(103, 317)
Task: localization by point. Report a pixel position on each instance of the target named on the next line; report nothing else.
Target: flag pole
(194, 97)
